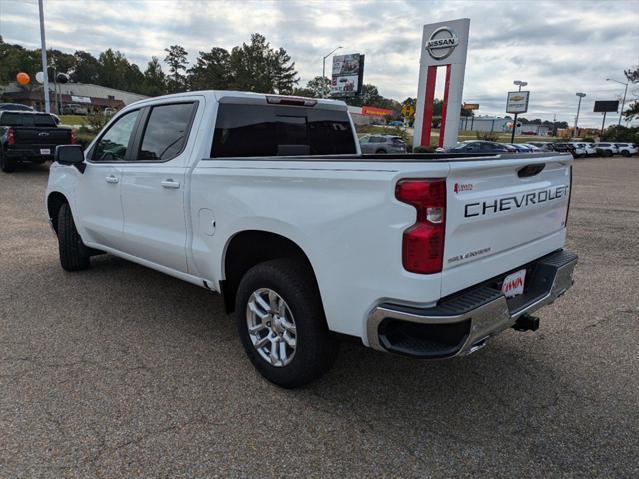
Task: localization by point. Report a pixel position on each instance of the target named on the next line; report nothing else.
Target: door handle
(170, 184)
(112, 179)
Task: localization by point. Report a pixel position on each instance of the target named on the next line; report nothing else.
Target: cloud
(558, 47)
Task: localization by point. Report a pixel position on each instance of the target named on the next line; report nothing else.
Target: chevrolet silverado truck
(30, 137)
(268, 200)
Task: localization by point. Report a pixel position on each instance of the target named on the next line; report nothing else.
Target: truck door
(153, 185)
(99, 208)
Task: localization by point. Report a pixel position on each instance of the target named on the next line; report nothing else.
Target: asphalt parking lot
(120, 371)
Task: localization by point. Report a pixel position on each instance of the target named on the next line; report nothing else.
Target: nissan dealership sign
(444, 44)
(441, 43)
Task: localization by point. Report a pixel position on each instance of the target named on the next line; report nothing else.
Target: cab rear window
(267, 130)
(27, 119)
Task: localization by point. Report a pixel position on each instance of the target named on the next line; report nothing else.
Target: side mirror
(70, 155)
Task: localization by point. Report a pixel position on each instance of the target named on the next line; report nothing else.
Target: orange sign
(374, 111)
(471, 106)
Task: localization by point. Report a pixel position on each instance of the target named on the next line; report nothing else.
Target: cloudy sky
(558, 47)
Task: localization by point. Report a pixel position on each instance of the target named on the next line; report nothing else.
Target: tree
(315, 88)
(211, 71)
(86, 68)
(258, 67)
(154, 82)
(176, 59)
(632, 74)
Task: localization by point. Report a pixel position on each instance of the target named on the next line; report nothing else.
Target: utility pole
(580, 95)
(45, 74)
(623, 103)
(324, 70)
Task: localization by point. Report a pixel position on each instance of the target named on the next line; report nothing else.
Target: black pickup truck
(30, 137)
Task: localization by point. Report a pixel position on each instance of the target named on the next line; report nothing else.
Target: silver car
(382, 144)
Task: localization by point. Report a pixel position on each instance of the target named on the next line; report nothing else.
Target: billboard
(348, 73)
(517, 102)
(606, 106)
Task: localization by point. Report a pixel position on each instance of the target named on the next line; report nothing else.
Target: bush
(96, 121)
(487, 136)
(424, 149)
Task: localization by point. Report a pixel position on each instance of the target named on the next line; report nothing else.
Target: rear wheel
(6, 164)
(625, 153)
(380, 152)
(74, 256)
(281, 323)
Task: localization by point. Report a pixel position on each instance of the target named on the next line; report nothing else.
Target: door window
(114, 143)
(166, 132)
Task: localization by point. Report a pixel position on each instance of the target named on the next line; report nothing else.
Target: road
(120, 371)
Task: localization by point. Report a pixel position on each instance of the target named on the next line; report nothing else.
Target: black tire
(74, 256)
(7, 165)
(625, 153)
(315, 349)
(380, 152)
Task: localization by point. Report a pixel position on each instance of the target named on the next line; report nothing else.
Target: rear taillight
(74, 137)
(11, 139)
(423, 242)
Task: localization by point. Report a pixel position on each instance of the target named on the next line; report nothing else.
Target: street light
(324, 69)
(519, 83)
(580, 95)
(623, 103)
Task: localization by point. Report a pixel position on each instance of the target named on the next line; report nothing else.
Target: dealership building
(500, 125)
(93, 97)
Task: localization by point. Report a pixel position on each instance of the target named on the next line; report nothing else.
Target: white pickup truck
(267, 200)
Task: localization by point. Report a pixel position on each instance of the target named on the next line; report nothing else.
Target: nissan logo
(442, 43)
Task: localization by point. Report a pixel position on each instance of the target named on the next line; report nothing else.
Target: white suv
(627, 149)
(584, 150)
(608, 148)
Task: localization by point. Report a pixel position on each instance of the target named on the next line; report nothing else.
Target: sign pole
(45, 73)
(512, 137)
(603, 123)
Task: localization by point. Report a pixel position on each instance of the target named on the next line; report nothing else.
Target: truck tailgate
(41, 136)
(501, 214)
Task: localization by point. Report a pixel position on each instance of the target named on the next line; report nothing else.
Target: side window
(166, 132)
(474, 146)
(114, 143)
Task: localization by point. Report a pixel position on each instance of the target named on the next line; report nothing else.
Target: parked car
(396, 123)
(627, 149)
(481, 146)
(74, 109)
(584, 149)
(609, 149)
(109, 111)
(382, 144)
(29, 137)
(268, 200)
(15, 107)
(533, 148)
(519, 147)
(543, 145)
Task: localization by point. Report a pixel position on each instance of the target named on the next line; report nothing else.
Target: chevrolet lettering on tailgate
(514, 202)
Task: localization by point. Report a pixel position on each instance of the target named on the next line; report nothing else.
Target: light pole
(45, 73)
(580, 95)
(519, 83)
(324, 70)
(623, 103)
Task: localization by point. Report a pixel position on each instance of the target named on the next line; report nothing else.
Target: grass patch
(73, 120)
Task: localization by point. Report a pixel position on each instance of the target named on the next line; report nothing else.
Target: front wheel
(281, 323)
(625, 153)
(74, 256)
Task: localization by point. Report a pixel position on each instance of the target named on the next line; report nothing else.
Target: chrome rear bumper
(462, 324)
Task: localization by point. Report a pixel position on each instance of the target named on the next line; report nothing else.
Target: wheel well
(248, 248)
(54, 203)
